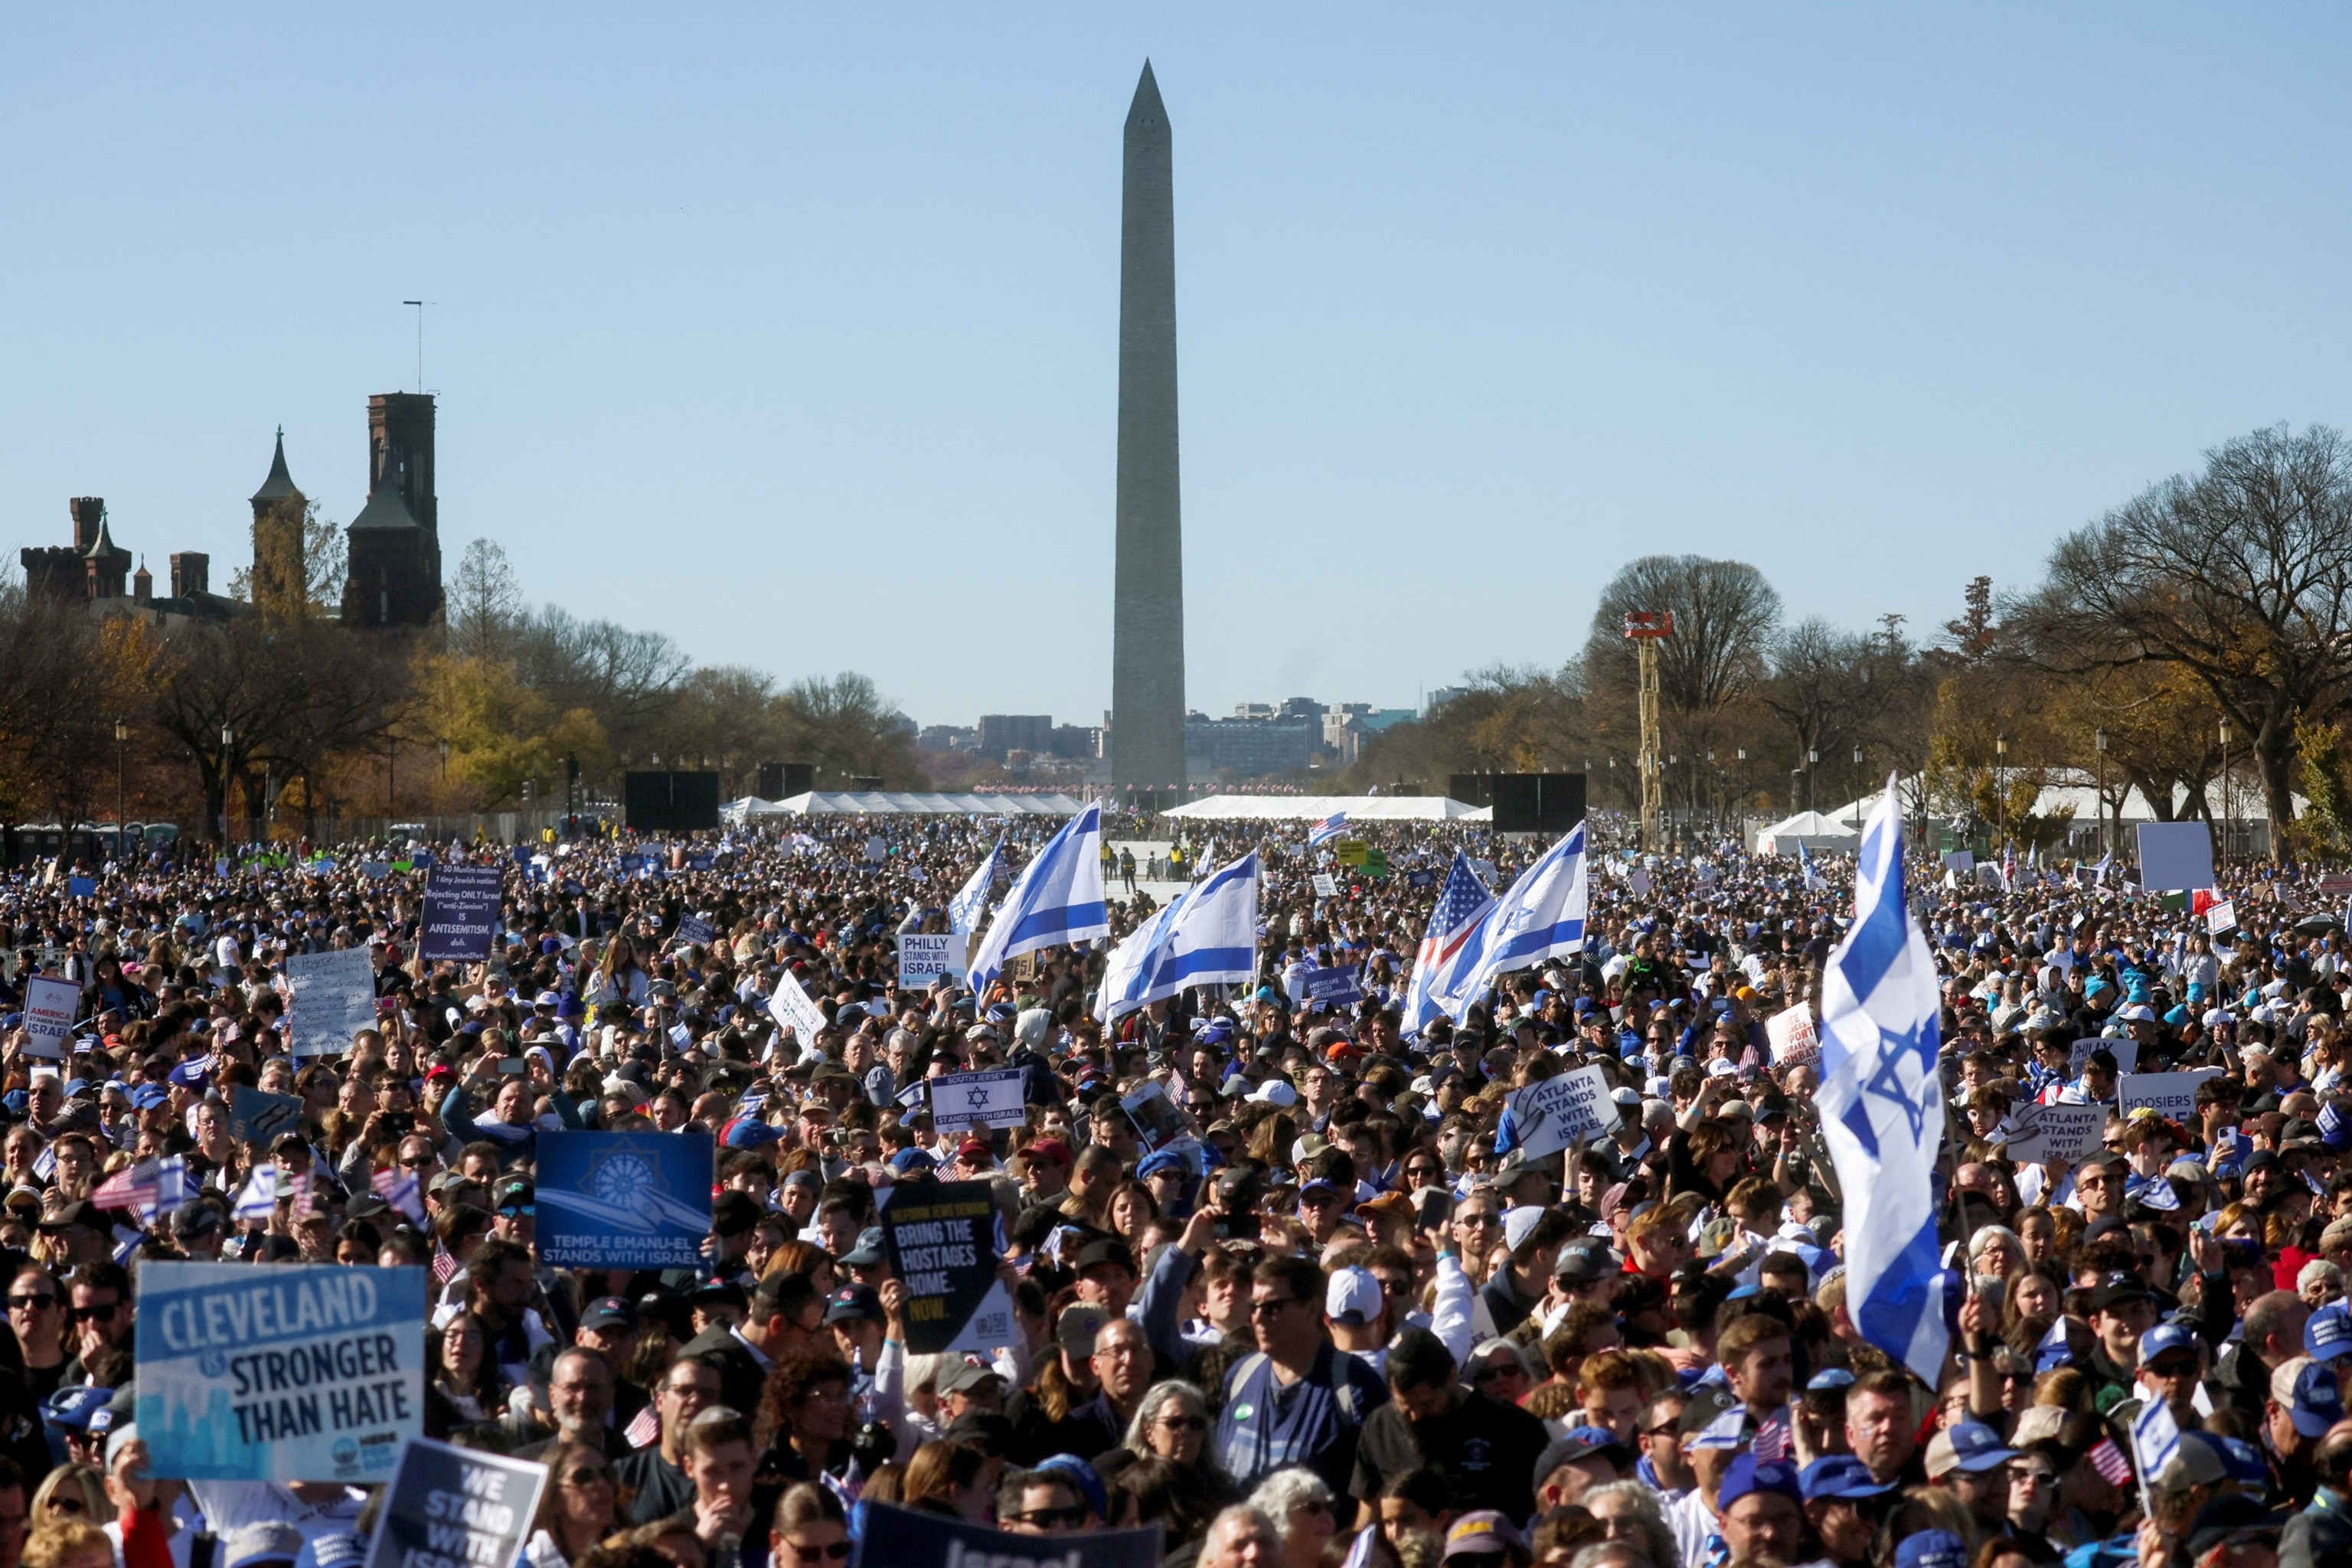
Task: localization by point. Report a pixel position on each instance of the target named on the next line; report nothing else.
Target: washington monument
(1147, 662)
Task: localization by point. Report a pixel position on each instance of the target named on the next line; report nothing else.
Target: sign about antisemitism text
(334, 999)
(624, 1200)
(461, 913)
(453, 1508)
(297, 1372)
(902, 1538)
(941, 1241)
(1551, 1113)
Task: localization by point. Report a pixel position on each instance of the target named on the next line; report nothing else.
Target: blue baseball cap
(1840, 1476)
(1744, 1475)
(2315, 1405)
(750, 1132)
(2170, 1336)
(911, 1159)
(2247, 1466)
(1931, 1549)
(1829, 1379)
(2328, 1337)
(1969, 1446)
(71, 1409)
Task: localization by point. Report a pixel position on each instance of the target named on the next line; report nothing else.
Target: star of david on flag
(1882, 1105)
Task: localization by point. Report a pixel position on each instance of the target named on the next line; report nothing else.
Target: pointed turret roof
(279, 484)
(103, 545)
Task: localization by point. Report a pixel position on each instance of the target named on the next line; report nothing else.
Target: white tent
(1316, 807)
(900, 802)
(1810, 828)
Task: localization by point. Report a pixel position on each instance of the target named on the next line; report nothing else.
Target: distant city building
(946, 738)
(96, 570)
(1003, 733)
(1442, 696)
(1248, 747)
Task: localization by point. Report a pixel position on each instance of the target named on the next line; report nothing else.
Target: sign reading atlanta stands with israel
(295, 1372)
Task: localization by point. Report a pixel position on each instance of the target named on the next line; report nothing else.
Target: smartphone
(512, 1067)
(400, 1121)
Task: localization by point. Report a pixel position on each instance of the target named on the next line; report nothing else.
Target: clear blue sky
(791, 331)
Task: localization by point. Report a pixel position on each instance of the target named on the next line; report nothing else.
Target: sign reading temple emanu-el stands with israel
(296, 1373)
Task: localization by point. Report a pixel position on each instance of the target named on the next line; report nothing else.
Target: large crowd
(1346, 1319)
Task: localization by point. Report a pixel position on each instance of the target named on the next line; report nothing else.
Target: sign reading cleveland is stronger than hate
(295, 1372)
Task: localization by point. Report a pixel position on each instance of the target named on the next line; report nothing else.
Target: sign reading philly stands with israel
(624, 1200)
(294, 1373)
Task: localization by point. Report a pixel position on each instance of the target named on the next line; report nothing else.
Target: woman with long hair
(618, 976)
(949, 1479)
(72, 1492)
(464, 1373)
(1131, 1210)
(810, 1529)
(578, 1508)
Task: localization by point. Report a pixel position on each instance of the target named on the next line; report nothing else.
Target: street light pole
(2225, 792)
(2000, 784)
(228, 743)
(121, 795)
(2099, 747)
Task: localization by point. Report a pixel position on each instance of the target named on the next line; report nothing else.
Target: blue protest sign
(297, 1372)
(905, 1539)
(696, 932)
(632, 864)
(461, 912)
(1327, 988)
(1420, 878)
(452, 1505)
(81, 886)
(256, 1117)
(624, 1200)
(698, 862)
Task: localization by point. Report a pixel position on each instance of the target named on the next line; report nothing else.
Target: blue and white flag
(1463, 906)
(1805, 864)
(1331, 827)
(1126, 981)
(1215, 935)
(1056, 902)
(970, 901)
(2156, 1437)
(1541, 915)
(1882, 1106)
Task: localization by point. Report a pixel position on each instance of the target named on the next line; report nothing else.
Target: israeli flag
(1882, 1106)
(970, 901)
(1126, 981)
(2156, 1437)
(1214, 937)
(1056, 902)
(1543, 914)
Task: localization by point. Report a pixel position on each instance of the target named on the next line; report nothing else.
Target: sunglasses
(104, 1314)
(1184, 1422)
(837, 1552)
(31, 1303)
(60, 1503)
(1046, 1518)
(418, 1163)
(519, 1211)
(587, 1476)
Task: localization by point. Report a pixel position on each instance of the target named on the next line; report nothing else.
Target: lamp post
(2099, 748)
(2000, 784)
(121, 795)
(1812, 760)
(2225, 792)
(228, 743)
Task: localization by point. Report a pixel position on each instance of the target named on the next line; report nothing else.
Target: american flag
(1331, 827)
(150, 1186)
(1463, 905)
(645, 1429)
(1772, 1441)
(2109, 1461)
(398, 1188)
(445, 1266)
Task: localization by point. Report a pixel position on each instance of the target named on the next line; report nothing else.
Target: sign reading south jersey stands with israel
(624, 1200)
(296, 1373)
(965, 1099)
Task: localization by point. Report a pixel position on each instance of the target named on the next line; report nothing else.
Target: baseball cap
(1931, 1549)
(1276, 1092)
(1353, 1297)
(2328, 1337)
(1747, 1475)
(1578, 1443)
(2197, 1461)
(1969, 1446)
(258, 1543)
(336, 1549)
(70, 1409)
(964, 1375)
(2170, 1336)
(1583, 1262)
(1839, 1476)
(2119, 1288)
(609, 1312)
(1482, 1533)
(2307, 1390)
(1075, 1328)
(868, 1253)
(852, 1303)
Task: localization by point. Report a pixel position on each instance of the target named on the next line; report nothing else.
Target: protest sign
(2175, 856)
(1639, 882)
(792, 1008)
(51, 1009)
(1960, 860)
(2222, 917)
(1418, 880)
(334, 999)
(902, 1538)
(696, 932)
(1157, 1120)
(624, 1200)
(2125, 1052)
(992, 1099)
(1551, 1113)
(297, 1372)
(461, 912)
(1350, 852)
(1794, 1040)
(451, 1507)
(941, 1241)
(257, 1117)
(2044, 1133)
(1336, 987)
(2172, 1095)
(1325, 885)
(925, 956)
(877, 850)
(699, 862)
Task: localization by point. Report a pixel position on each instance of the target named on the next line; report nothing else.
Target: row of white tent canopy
(1210, 808)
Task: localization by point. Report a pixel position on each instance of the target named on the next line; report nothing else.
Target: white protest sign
(2176, 857)
(791, 1007)
(2050, 1133)
(2125, 1052)
(1794, 1040)
(1325, 885)
(1548, 1115)
(991, 1098)
(924, 956)
(2172, 1095)
(1639, 880)
(2222, 917)
(334, 999)
(877, 849)
(50, 1008)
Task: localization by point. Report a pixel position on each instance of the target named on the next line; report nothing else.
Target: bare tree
(485, 604)
(1724, 613)
(2240, 574)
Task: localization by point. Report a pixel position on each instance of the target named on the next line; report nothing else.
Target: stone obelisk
(1147, 672)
